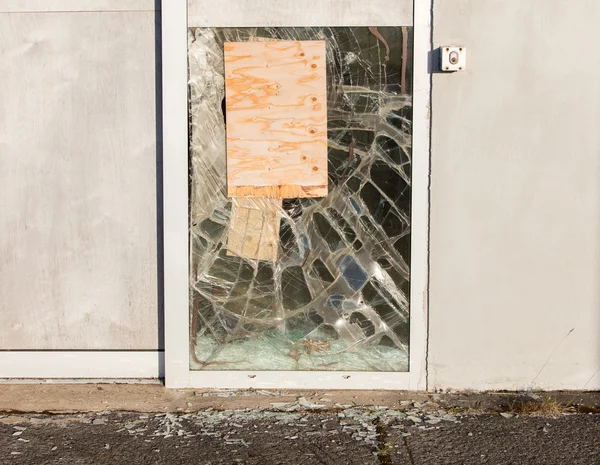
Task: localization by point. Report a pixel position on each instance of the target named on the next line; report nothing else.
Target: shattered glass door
(314, 283)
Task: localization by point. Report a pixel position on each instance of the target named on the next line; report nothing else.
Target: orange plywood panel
(276, 119)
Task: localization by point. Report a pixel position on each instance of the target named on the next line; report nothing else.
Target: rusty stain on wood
(404, 59)
(276, 119)
(254, 229)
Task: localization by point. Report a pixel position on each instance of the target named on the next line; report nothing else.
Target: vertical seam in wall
(428, 272)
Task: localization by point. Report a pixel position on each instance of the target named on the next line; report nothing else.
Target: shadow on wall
(159, 182)
(433, 62)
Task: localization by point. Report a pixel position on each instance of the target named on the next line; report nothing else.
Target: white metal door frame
(79, 364)
(175, 183)
(82, 364)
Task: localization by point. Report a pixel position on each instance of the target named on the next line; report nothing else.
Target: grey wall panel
(21, 6)
(249, 13)
(78, 266)
(515, 220)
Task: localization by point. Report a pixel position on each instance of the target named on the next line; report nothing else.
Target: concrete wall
(78, 131)
(515, 197)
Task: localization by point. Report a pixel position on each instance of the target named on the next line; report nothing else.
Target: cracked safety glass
(290, 282)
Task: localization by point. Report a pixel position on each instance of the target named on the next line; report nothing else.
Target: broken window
(316, 282)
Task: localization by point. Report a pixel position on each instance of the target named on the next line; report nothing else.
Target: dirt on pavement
(81, 424)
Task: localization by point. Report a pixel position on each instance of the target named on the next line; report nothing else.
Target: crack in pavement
(383, 452)
(408, 451)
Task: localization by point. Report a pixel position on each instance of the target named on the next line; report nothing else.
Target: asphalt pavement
(320, 428)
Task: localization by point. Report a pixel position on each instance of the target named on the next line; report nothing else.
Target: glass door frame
(174, 21)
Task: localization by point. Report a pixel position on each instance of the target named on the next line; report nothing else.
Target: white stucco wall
(78, 222)
(515, 197)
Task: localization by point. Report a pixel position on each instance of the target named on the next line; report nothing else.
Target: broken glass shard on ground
(332, 293)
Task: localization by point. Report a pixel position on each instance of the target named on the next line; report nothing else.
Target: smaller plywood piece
(276, 119)
(254, 228)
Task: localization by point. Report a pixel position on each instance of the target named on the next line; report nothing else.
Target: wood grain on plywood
(276, 119)
(254, 228)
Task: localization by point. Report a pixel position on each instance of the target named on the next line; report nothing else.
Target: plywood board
(254, 228)
(276, 119)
